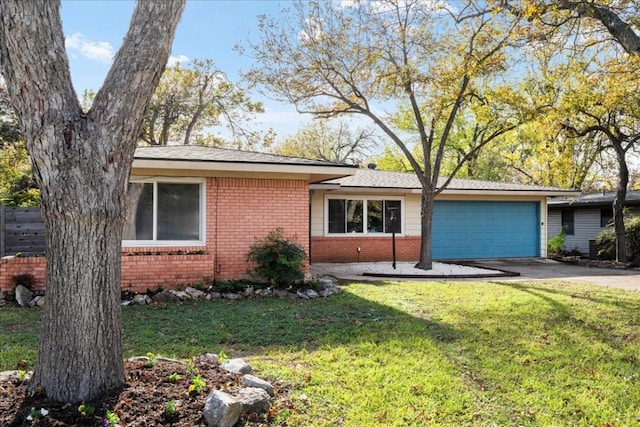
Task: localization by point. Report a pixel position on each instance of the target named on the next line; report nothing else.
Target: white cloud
(98, 51)
(180, 59)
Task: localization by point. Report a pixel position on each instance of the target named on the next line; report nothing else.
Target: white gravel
(440, 269)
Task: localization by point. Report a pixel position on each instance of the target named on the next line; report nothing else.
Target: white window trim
(203, 213)
(364, 200)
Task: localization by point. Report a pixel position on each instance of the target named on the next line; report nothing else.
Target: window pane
(606, 215)
(139, 225)
(374, 216)
(337, 217)
(354, 216)
(567, 222)
(395, 224)
(178, 212)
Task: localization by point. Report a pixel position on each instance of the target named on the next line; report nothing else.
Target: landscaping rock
(327, 288)
(249, 291)
(40, 302)
(182, 295)
(141, 299)
(266, 292)
(254, 400)
(307, 294)
(207, 359)
(232, 296)
(2, 302)
(35, 300)
(283, 294)
(221, 409)
(165, 296)
(23, 295)
(236, 366)
(194, 293)
(215, 295)
(255, 382)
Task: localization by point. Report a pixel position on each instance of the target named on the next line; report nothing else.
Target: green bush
(606, 239)
(277, 260)
(555, 245)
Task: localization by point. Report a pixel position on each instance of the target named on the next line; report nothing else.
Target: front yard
(409, 353)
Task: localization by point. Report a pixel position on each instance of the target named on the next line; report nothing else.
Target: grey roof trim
(594, 200)
(223, 155)
(385, 180)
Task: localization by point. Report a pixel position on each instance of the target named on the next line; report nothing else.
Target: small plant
(110, 419)
(555, 245)
(86, 410)
(170, 412)
(277, 260)
(152, 360)
(196, 385)
(22, 375)
(174, 378)
(35, 414)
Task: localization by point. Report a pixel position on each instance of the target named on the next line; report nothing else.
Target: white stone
(221, 409)
(23, 295)
(236, 366)
(254, 400)
(249, 380)
(194, 293)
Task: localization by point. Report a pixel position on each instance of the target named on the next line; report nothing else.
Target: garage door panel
(463, 230)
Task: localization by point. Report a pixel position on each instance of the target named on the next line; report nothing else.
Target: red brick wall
(372, 249)
(250, 208)
(238, 211)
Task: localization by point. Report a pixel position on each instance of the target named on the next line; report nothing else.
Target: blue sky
(209, 29)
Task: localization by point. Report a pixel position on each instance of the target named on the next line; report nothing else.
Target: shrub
(606, 239)
(277, 260)
(555, 244)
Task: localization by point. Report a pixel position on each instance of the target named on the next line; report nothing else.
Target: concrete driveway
(545, 269)
(527, 268)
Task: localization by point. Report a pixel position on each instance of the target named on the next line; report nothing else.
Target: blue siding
(467, 229)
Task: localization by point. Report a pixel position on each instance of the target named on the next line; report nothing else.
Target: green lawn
(411, 354)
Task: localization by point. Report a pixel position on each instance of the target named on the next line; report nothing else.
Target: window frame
(202, 183)
(606, 216)
(365, 225)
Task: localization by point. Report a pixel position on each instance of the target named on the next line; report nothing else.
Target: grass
(411, 353)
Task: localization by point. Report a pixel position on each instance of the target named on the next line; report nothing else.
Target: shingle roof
(594, 199)
(370, 178)
(223, 155)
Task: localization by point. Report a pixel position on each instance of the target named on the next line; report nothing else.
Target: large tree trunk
(82, 163)
(426, 262)
(618, 203)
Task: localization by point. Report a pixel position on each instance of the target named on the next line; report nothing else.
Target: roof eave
(316, 172)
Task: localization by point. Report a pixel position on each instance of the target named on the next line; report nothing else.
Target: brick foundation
(372, 249)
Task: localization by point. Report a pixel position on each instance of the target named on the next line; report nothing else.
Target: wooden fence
(21, 231)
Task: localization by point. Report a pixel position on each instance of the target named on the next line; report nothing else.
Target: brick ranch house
(199, 211)
(351, 218)
(201, 208)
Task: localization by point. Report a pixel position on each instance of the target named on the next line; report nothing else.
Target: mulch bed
(142, 402)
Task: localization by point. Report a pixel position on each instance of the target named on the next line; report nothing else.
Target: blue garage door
(463, 230)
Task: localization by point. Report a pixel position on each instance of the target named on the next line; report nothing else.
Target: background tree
(330, 140)
(17, 185)
(190, 101)
(330, 61)
(82, 162)
(609, 30)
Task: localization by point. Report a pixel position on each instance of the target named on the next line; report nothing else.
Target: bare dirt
(145, 400)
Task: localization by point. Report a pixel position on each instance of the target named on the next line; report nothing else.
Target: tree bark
(426, 208)
(82, 164)
(618, 203)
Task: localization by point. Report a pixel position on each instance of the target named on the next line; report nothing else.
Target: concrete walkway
(524, 268)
